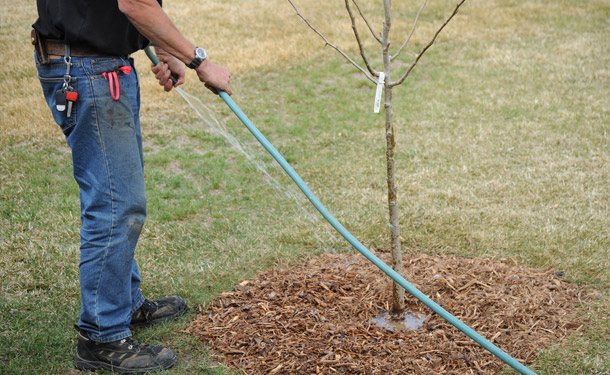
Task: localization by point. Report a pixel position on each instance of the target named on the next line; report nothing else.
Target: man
(82, 56)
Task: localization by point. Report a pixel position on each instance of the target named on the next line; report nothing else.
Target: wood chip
(316, 317)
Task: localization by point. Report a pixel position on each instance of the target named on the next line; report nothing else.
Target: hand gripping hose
(359, 246)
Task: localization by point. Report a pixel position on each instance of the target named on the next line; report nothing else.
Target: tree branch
(401, 80)
(367, 21)
(357, 35)
(367, 74)
(411, 33)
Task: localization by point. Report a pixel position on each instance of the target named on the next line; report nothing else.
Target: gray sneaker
(123, 356)
(161, 310)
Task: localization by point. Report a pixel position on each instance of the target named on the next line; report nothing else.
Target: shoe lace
(133, 343)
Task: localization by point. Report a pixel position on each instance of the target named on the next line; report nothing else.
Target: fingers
(159, 69)
(181, 78)
(163, 74)
(214, 89)
(215, 77)
(227, 90)
(211, 88)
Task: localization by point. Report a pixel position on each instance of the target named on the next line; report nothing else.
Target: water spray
(357, 244)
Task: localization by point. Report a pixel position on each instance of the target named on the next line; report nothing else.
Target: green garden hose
(359, 246)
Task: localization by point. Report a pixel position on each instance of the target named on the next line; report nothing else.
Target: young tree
(384, 78)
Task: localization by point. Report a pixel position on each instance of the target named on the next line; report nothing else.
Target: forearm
(152, 22)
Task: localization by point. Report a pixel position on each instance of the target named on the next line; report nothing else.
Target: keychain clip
(68, 61)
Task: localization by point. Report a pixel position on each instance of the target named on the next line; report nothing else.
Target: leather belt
(51, 48)
(58, 47)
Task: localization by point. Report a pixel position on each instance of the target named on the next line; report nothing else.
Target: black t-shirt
(95, 23)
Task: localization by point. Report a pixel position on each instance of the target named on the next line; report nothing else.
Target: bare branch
(411, 33)
(401, 80)
(367, 74)
(357, 35)
(367, 21)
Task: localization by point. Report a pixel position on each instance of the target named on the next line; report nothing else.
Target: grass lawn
(503, 152)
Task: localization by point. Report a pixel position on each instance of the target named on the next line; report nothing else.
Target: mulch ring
(316, 317)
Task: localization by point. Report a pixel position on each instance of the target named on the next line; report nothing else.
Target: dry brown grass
(245, 36)
(248, 36)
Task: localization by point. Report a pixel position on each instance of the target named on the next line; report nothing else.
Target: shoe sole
(84, 365)
(178, 314)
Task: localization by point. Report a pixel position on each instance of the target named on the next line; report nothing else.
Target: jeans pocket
(102, 65)
(50, 86)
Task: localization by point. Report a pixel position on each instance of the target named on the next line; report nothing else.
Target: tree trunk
(398, 293)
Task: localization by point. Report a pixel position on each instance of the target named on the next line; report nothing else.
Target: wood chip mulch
(315, 318)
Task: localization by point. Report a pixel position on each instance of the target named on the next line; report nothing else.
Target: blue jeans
(106, 141)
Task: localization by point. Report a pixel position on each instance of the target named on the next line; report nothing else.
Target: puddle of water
(409, 320)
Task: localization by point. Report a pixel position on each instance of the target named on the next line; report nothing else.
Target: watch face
(200, 53)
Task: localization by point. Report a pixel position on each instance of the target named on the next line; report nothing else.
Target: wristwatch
(200, 55)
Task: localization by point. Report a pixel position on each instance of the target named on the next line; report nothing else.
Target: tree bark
(398, 293)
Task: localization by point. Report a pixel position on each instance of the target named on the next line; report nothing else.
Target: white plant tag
(380, 84)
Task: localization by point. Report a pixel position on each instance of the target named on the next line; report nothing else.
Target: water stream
(325, 238)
